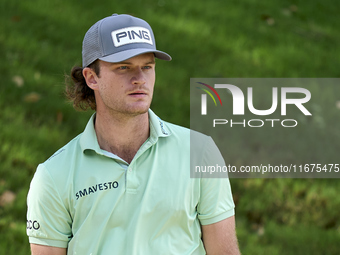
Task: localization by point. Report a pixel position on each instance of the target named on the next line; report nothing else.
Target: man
(123, 186)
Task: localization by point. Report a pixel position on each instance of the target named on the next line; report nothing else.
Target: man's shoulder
(184, 134)
(181, 130)
(65, 154)
(176, 129)
(172, 130)
(56, 171)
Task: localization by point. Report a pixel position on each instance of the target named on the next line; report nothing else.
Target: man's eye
(147, 67)
(123, 67)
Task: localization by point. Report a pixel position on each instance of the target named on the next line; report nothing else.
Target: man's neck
(122, 136)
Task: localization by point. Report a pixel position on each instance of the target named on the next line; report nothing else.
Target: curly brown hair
(77, 91)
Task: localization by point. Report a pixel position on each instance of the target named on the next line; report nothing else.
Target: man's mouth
(138, 94)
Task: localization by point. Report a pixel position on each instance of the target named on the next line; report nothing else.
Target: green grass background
(40, 40)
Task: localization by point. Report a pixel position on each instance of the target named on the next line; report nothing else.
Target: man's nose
(138, 76)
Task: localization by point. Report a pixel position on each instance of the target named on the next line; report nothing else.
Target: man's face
(126, 87)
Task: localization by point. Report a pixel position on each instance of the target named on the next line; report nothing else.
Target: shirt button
(130, 169)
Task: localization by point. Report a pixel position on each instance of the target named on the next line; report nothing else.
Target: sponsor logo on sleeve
(32, 224)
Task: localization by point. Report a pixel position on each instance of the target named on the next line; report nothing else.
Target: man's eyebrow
(151, 62)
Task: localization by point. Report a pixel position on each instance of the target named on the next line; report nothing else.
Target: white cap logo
(131, 35)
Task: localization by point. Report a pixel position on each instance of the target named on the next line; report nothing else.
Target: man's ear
(90, 78)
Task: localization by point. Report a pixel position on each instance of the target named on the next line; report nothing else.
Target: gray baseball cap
(117, 38)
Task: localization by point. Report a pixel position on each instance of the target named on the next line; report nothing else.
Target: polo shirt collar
(158, 127)
(88, 139)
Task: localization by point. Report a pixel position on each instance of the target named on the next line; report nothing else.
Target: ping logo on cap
(131, 35)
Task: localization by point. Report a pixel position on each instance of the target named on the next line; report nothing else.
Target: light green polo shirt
(93, 202)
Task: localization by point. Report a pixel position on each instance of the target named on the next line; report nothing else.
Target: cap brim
(124, 55)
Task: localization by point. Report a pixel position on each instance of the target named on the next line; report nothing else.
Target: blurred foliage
(41, 40)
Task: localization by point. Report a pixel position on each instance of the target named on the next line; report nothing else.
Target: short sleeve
(48, 220)
(216, 200)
